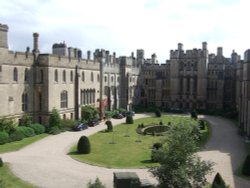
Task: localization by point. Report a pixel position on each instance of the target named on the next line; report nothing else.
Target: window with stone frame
(15, 75)
(64, 99)
(56, 76)
(24, 102)
(26, 75)
(92, 77)
(64, 75)
(83, 76)
(71, 76)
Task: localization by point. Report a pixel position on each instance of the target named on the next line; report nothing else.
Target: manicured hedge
(38, 128)
(27, 131)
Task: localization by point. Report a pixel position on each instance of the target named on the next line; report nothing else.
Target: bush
(109, 126)
(96, 184)
(54, 130)
(83, 146)
(194, 115)
(26, 120)
(1, 162)
(27, 131)
(157, 113)
(246, 166)
(218, 182)
(157, 145)
(7, 125)
(16, 136)
(68, 124)
(129, 120)
(38, 128)
(4, 137)
(54, 119)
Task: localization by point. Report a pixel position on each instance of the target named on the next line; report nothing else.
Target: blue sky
(126, 25)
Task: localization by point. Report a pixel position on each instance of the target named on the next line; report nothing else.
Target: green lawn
(13, 146)
(9, 180)
(130, 150)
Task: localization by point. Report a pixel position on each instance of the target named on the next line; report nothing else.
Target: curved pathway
(46, 164)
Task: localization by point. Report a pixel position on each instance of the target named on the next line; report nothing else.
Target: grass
(205, 134)
(129, 150)
(14, 146)
(8, 179)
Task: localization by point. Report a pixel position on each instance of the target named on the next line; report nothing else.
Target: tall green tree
(179, 165)
(54, 119)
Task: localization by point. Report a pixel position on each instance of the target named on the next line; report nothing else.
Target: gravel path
(46, 164)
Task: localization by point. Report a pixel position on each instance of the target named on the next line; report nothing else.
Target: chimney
(35, 42)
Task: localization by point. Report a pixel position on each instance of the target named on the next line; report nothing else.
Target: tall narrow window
(64, 99)
(98, 78)
(26, 75)
(71, 76)
(24, 102)
(40, 101)
(15, 75)
(83, 76)
(56, 76)
(92, 77)
(64, 76)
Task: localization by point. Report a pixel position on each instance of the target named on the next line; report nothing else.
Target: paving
(46, 164)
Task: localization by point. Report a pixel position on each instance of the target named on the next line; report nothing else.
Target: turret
(35, 43)
(4, 36)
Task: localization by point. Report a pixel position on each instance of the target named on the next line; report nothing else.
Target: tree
(7, 125)
(179, 165)
(218, 182)
(97, 184)
(89, 113)
(54, 122)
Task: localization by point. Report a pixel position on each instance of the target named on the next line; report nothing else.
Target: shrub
(1, 162)
(96, 184)
(38, 128)
(218, 182)
(27, 131)
(157, 113)
(129, 120)
(54, 130)
(7, 125)
(16, 136)
(26, 120)
(4, 137)
(109, 126)
(194, 115)
(68, 124)
(246, 166)
(54, 119)
(83, 146)
(157, 145)
(202, 124)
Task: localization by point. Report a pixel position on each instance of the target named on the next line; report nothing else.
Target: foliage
(38, 128)
(54, 121)
(68, 124)
(1, 162)
(179, 166)
(89, 112)
(83, 146)
(157, 112)
(109, 114)
(26, 120)
(96, 184)
(54, 130)
(218, 182)
(194, 114)
(246, 166)
(7, 124)
(4, 137)
(109, 126)
(17, 135)
(26, 131)
(129, 120)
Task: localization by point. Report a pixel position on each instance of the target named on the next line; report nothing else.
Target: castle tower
(35, 42)
(4, 36)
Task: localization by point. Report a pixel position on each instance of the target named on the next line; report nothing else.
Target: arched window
(56, 76)
(83, 76)
(15, 75)
(24, 102)
(64, 99)
(26, 76)
(71, 76)
(64, 76)
(92, 77)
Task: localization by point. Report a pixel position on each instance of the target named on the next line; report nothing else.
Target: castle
(35, 83)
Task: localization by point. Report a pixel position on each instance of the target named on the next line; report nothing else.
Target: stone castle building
(35, 83)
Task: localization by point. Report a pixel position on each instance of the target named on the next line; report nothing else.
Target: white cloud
(125, 25)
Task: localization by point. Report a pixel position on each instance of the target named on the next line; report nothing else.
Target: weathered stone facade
(35, 83)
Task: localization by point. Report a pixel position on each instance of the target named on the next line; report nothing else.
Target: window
(15, 75)
(26, 75)
(112, 78)
(64, 76)
(40, 101)
(71, 76)
(98, 78)
(92, 77)
(24, 102)
(64, 99)
(83, 76)
(105, 79)
(118, 79)
(56, 76)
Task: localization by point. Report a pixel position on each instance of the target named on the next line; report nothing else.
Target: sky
(122, 26)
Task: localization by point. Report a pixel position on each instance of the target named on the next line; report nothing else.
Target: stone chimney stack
(88, 55)
(220, 51)
(35, 42)
(4, 36)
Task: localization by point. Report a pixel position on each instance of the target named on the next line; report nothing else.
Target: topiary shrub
(194, 115)
(1, 162)
(157, 113)
(38, 128)
(218, 182)
(109, 126)
(246, 166)
(27, 131)
(83, 146)
(129, 120)
(4, 137)
(96, 184)
(16, 136)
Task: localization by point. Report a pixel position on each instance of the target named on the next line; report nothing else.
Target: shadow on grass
(147, 161)
(74, 153)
